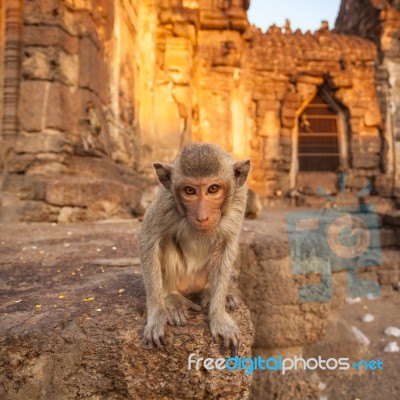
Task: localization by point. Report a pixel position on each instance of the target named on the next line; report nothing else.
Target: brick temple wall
(102, 89)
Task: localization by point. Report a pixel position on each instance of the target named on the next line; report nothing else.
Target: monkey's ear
(241, 169)
(163, 172)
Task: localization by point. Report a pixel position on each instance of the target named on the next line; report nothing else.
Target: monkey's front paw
(178, 306)
(154, 332)
(224, 327)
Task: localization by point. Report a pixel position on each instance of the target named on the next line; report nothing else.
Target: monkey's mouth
(204, 228)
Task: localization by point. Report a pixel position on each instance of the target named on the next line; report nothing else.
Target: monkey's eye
(189, 191)
(213, 189)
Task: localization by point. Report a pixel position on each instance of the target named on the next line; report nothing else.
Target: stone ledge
(71, 329)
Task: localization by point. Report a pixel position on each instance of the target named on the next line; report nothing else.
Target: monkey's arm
(150, 249)
(152, 235)
(221, 324)
(154, 332)
(152, 275)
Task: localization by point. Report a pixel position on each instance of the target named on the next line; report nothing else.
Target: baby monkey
(189, 241)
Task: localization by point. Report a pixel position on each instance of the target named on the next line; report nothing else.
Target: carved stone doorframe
(343, 133)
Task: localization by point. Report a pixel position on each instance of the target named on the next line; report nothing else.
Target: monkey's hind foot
(178, 306)
(225, 328)
(231, 302)
(154, 333)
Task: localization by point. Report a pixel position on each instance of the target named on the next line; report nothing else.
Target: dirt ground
(50, 245)
(371, 385)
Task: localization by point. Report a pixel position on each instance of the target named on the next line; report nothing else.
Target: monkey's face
(203, 200)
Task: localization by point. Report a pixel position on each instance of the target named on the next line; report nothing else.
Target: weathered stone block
(89, 63)
(365, 160)
(286, 150)
(185, 30)
(264, 106)
(355, 124)
(71, 214)
(25, 187)
(178, 59)
(36, 64)
(285, 140)
(392, 218)
(94, 168)
(59, 112)
(373, 116)
(388, 277)
(35, 35)
(390, 261)
(288, 122)
(47, 168)
(384, 185)
(41, 143)
(288, 113)
(183, 15)
(271, 292)
(342, 80)
(213, 20)
(371, 143)
(286, 132)
(31, 103)
(43, 11)
(388, 237)
(19, 163)
(37, 211)
(82, 192)
(270, 125)
(311, 80)
(69, 68)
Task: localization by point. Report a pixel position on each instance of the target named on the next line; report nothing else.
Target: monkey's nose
(202, 219)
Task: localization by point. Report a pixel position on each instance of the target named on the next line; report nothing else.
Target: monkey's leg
(178, 306)
(221, 324)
